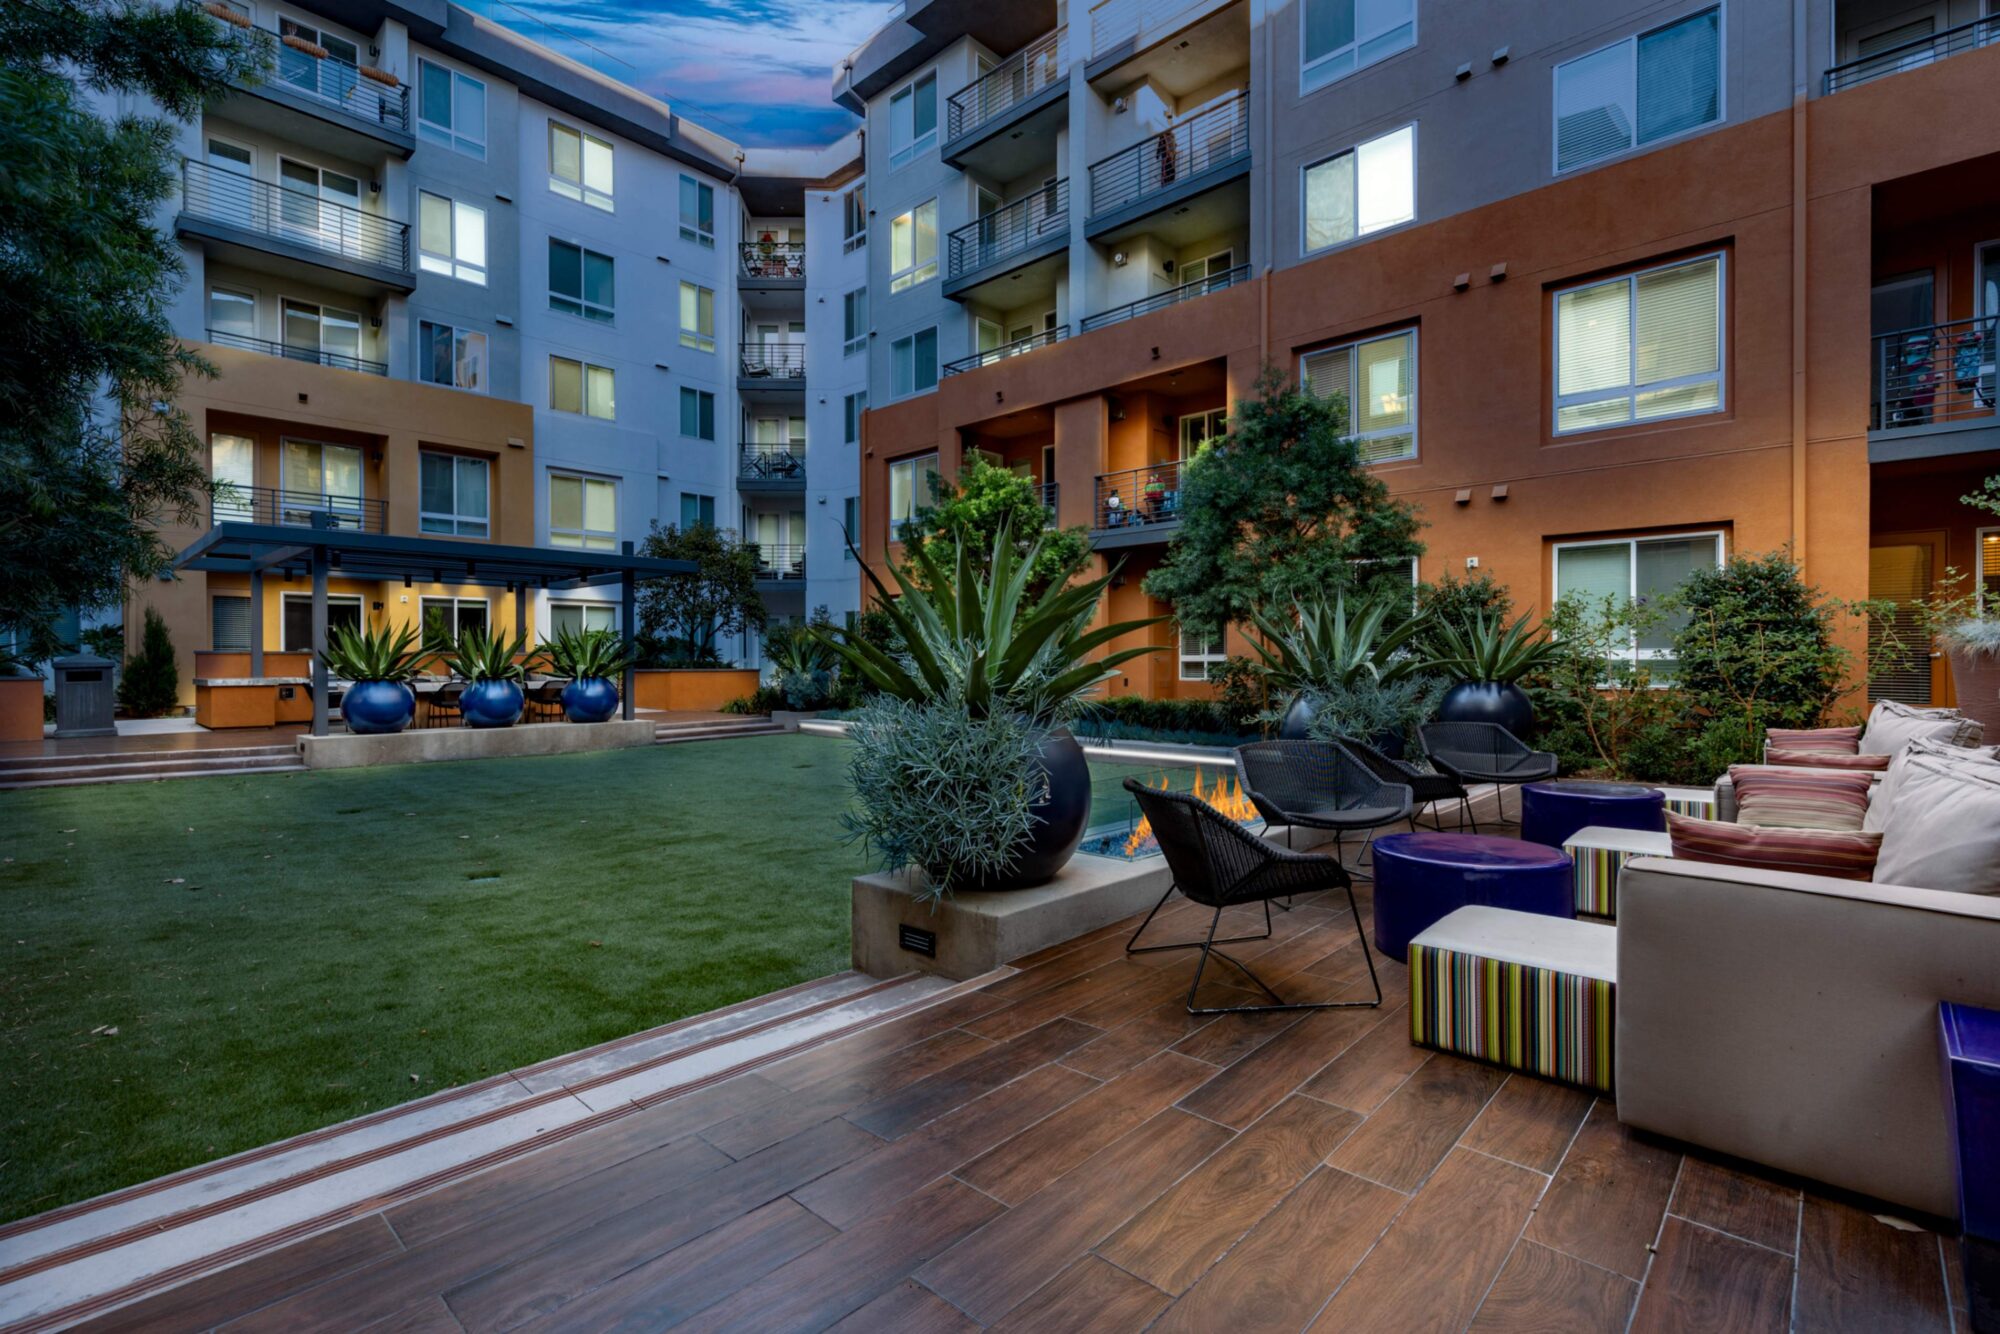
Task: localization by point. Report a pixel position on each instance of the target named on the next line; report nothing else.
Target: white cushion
(1584, 949)
(1877, 819)
(1892, 726)
(1636, 842)
(1944, 829)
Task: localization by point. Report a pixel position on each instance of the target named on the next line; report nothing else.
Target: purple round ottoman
(1420, 878)
(1551, 813)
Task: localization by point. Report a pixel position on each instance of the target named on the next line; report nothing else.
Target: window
(445, 619)
(1198, 653)
(232, 462)
(697, 510)
(579, 166)
(451, 109)
(581, 617)
(332, 78)
(1378, 380)
(1986, 578)
(1637, 569)
(576, 386)
(913, 364)
(229, 623)
(1197, 429)
(697, 212)
(324, 334)
(1641, 347)
(318, 477)
(913, 120)
(855, 314)
(851, 416)
(854, 219)
(1337, 37)
(232, 316)
(453, 493)
(697, 414)
(296, 619)
(583, 512)
(850, 525)
(1363, 190)
(1639, 91)
(909, 487)
(697, 317)
(451, 356)
(913, 247)
(581, 282)
(451, 238)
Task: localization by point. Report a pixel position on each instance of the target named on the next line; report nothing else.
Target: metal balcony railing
(781, 362)
(1013, 81)
(1915, 55)
(291, 215)
(773, 259)
(1209, 138)
(772, 463)
(1138, 496)
(300, 509)
(1051, 493)
(1010, 229)
(338, 84)
(1006, 350)
(1115, 21)
(337, 360)
(1933, 375)
(1131, 310)
(781, 560)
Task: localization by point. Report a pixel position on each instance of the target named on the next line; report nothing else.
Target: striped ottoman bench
(1596, 854)
(1520, 990)
(1698, 802)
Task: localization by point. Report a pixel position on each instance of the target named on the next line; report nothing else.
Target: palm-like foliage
(584, 655)
(479, 656)
(1486, 648)
(372, 654)
(974, 636)
(1327, 648)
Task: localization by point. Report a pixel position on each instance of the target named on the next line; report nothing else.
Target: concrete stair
(145, 766)
(669, 733)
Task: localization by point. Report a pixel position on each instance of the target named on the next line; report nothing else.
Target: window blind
(1680, 77)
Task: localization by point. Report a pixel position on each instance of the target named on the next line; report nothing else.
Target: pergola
(290, 550)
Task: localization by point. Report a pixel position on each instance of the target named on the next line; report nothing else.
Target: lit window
(697, 212)
(579, 166)
(909, 487)
(913, 120)
(576, 386)
(1363, 190)
(1639, 91)
(232, 317)
(453, 494)
(913, 247)
(1337, 37)
(697, 317)
(913, 365)
(451, 109)
(325, 334)
(1641, 347)
(581, 282)
(451, 238)
(1637, 570)
(583, 512)
(1198, 653)
(444, 619)
(1377, 379)
(451, 356)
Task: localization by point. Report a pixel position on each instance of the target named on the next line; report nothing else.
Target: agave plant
(479, 656)
(1328, 648)
(1484, 648)
(586, 655)
(372, 654)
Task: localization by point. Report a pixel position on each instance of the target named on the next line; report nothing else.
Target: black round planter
(1500, 702)
(1297, 722)
(1059, 818)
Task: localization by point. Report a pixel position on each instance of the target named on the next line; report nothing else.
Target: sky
(758, 71)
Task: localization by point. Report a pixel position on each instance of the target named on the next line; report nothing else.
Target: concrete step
(17, 783)
(717, 734)
(125, 758)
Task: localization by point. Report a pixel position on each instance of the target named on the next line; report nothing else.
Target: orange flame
(1226, 796)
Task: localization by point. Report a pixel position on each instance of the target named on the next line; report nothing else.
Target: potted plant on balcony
(300, 44)
(964, 767)
(381, 76)
(377, 664)
(1488, 658)
(493, 668)
(592, 660)
(1354, 668)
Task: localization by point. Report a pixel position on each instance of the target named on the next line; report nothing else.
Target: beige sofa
(1792, 1019)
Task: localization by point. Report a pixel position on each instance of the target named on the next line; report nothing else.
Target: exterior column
(520, 610)
(628, 616)
(256, 622)
(319, 677)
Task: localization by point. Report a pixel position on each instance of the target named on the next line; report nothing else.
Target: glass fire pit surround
(1117, 829)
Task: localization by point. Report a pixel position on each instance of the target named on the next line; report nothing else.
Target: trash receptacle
(86, 692)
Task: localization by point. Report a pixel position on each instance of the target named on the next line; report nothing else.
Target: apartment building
(459, 286)
(1612, 291)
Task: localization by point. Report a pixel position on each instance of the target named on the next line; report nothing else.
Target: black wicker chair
(1219, 864)
(1319, 785)
(1426, 787)
(1485, 753)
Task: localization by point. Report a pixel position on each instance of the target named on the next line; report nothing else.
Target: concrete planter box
(790, 719)
(703, 689)
(21, 708)
(422, 746)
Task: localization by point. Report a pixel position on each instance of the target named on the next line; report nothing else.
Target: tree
(693, 611)
(986, 499)
(1279, 508)
(151, 682)
(92, 453)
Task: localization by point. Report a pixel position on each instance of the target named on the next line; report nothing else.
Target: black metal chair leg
(1133, 946)
(1209, 947)
(1361, 933)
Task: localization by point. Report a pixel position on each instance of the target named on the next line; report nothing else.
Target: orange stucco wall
(701, 688)
(21, 708)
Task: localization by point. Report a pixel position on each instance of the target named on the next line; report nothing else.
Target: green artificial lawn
(283, 952)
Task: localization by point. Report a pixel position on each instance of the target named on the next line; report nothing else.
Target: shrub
(1134, 718)
(1455, 601)
(151, 682)
(1594, 703)
(807, 670)
(1368, 708)
(761, 700)
(1241, 693)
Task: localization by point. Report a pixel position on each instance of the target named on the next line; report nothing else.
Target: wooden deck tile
(1541, 1289)
(1857, 1272)
(903, 1111)
(1735, 1202)
(429, 1316)
(1065, 998)
(843, 1054)
(1368, 1072)
(907, 1308)
(1606, 1201)
(1227, 1043)
(1409, 1136)
(1705, 1282)
(1530, 1121)
(1258, 1082)
(1138, 1040)
(1090, 1295)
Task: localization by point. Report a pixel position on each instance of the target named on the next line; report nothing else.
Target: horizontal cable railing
(1209, 138)
(1051, 494)
(302, 509)
(1006, 350)
(1013, 81)
(1933, 374)
(772, 463)
(1010, 229)
(773, 259)
(773, 361)
(781, 560)
(338, 360)
(303, 68)
(1914, 55)
(1138, 496)
(293, 215)
(1131, 310)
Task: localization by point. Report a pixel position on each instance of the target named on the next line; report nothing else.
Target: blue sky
(758, 71)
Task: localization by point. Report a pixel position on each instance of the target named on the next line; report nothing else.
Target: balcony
(1197, 168)
(781, 562)
(338, 360)
(772, 266)
(771, 367)
(1932, 391)
(1006, 350)
(1013, 255)
(1173, 296)
(1137, 506)
(296, 509)
(276, 229)
(1000, 125)
(1175, 45)
(771, 468)
(325, 103)
(1051, 494)
(1914, 54)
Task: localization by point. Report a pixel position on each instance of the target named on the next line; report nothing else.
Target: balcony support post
(628, 616)
(319, 676)
(520, 592)
(256, 623)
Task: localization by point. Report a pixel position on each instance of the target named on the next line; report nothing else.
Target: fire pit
(1119, 830)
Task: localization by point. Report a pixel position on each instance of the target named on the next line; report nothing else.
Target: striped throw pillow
(1800, 798)
(1842, 854)
(1832, 740)
(1826, 759)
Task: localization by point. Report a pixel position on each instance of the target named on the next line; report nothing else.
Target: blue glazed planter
(491, 704)
(591, 699)
(1500, 702)
(376, 708)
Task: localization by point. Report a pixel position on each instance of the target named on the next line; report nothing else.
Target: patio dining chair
(1319, 785)
(441, 706)
(1485, 753)
(1427, 788)
(1219, 864)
